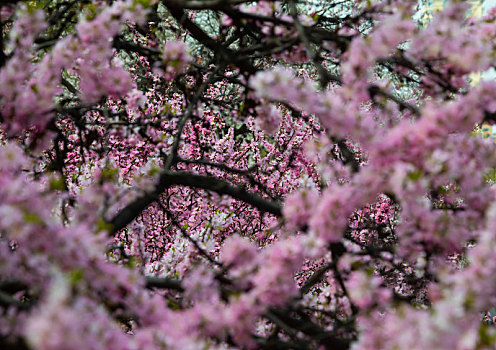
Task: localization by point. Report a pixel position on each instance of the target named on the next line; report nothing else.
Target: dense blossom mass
(231, 174)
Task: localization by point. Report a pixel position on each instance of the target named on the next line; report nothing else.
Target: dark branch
(168, 179)
(163, 283)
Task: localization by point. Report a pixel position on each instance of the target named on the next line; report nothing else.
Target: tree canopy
(232, 174)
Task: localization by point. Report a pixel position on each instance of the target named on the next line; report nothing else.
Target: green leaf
(110, 174)
(76, 276)
(32, 218)
(103, 225)
(57, 184)
(415, 175)
(491, 175)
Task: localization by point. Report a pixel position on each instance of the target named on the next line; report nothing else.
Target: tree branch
(168, 179)
(163, 283)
